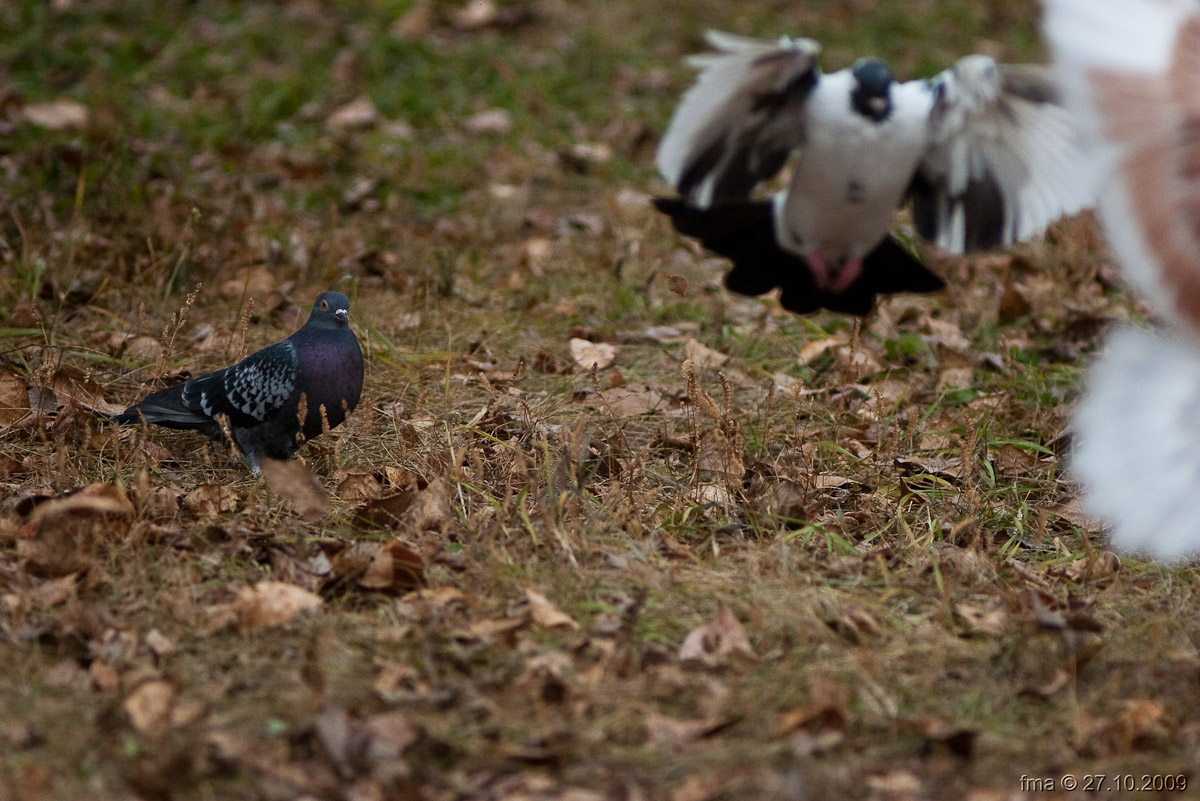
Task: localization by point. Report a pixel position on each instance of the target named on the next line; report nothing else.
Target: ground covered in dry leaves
(599, 529)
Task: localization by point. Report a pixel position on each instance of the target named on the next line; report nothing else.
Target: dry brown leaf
(142, 350)
(946, 334)
(358, 113)
(536, 254)
(430, 510)
(159, 643)
(1099, 564)
(631, 400)
(211, 500)
(955, 378)
(54, 592)
(895, 785)
(359, 485)
(946, 468)
(14, 398)
(57, 115)
(852, 621)
(819, 724)
(545, 614)
(702, 356)
(94, 500)
(294, 483)
(986, 620)
(1142, 724)
(811, 350)
(391, 566)
(680, 733)
(700, 788)
(149, 706)
(257, 283)
(717, 642)
(475, 14)
(272, 603)
(491, 121)
(415, 22)
(1015, 461)
(1073, 512)
(589, 354)
(717, 454)
(497, 628)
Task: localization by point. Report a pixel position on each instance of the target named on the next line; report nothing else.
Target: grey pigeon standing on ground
(987, 154)
(316, 373)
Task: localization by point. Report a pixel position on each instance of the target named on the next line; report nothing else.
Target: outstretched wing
(1131, 70)
(1004, 159)
(249, 392)
(743, 117)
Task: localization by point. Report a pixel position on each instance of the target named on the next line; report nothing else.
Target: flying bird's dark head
(872, 95)
(331, 309)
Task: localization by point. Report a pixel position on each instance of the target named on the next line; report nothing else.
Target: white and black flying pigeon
(257, 402)
(987, 154)
(1130, 69)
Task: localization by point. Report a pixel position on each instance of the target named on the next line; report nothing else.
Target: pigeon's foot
(849, 272)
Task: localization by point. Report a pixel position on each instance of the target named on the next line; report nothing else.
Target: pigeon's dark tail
(744, 233)
(166, 408)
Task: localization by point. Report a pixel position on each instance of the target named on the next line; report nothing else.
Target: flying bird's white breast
(852, 172)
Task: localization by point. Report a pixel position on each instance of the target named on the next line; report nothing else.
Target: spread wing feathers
(1131, 70)
(249, 392)
(744, 233)
(1004, 160)
(741, 120)
(1137, 442)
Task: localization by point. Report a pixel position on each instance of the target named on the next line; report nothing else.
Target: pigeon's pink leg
(820, 270)
(851, 269)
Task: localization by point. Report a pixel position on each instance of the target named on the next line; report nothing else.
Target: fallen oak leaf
(714, 643)
(57, 115)
(211, 500)
(294, 483)
(588, 354)
(149, 706)
(545, 614)
(680, 733)
(983, 620)
(822, 722)
(272, 603)
(390, 566)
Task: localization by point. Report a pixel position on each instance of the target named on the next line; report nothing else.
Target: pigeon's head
(872, 95)
(331, 309)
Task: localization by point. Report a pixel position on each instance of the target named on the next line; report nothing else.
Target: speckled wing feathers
(251, 391)
(1004, 160)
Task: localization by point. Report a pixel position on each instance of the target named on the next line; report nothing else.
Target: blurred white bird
(986, 153)
(1130, 69)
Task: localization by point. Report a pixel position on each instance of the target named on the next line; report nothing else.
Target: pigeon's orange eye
(324, 304)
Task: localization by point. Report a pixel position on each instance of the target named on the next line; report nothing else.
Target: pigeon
(269, 403)
(986, 153)
(1130, 71)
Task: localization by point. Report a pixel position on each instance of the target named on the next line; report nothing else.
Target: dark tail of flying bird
(744, 233)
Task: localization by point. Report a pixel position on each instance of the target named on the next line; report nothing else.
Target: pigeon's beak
(342, 314)
(879, 105)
